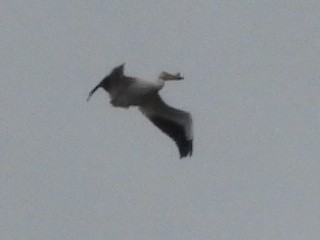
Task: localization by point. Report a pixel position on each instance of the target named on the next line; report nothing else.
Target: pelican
(125, 91)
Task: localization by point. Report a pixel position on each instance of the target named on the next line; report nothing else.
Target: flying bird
(125, 91)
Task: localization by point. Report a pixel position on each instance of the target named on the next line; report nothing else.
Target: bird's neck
(160, 83)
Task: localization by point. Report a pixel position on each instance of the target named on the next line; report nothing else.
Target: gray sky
(77, 170)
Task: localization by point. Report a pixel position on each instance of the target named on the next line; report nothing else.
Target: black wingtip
(185, 149)
(92, 92)
(176, 132)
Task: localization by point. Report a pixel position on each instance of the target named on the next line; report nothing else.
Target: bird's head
(167, 76)
(115, 74)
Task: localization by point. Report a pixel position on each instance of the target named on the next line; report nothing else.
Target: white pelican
(127, 91)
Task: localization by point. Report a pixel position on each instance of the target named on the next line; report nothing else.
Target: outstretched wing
(177, 124)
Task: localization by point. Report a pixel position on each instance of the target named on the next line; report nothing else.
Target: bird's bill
(176, 76)
(92, 92)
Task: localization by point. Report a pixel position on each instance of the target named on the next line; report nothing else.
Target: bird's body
(127, 91)
(133, 92)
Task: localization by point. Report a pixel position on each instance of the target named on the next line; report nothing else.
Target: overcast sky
(71, 169)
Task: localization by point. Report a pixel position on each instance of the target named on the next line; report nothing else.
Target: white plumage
(127, 91)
